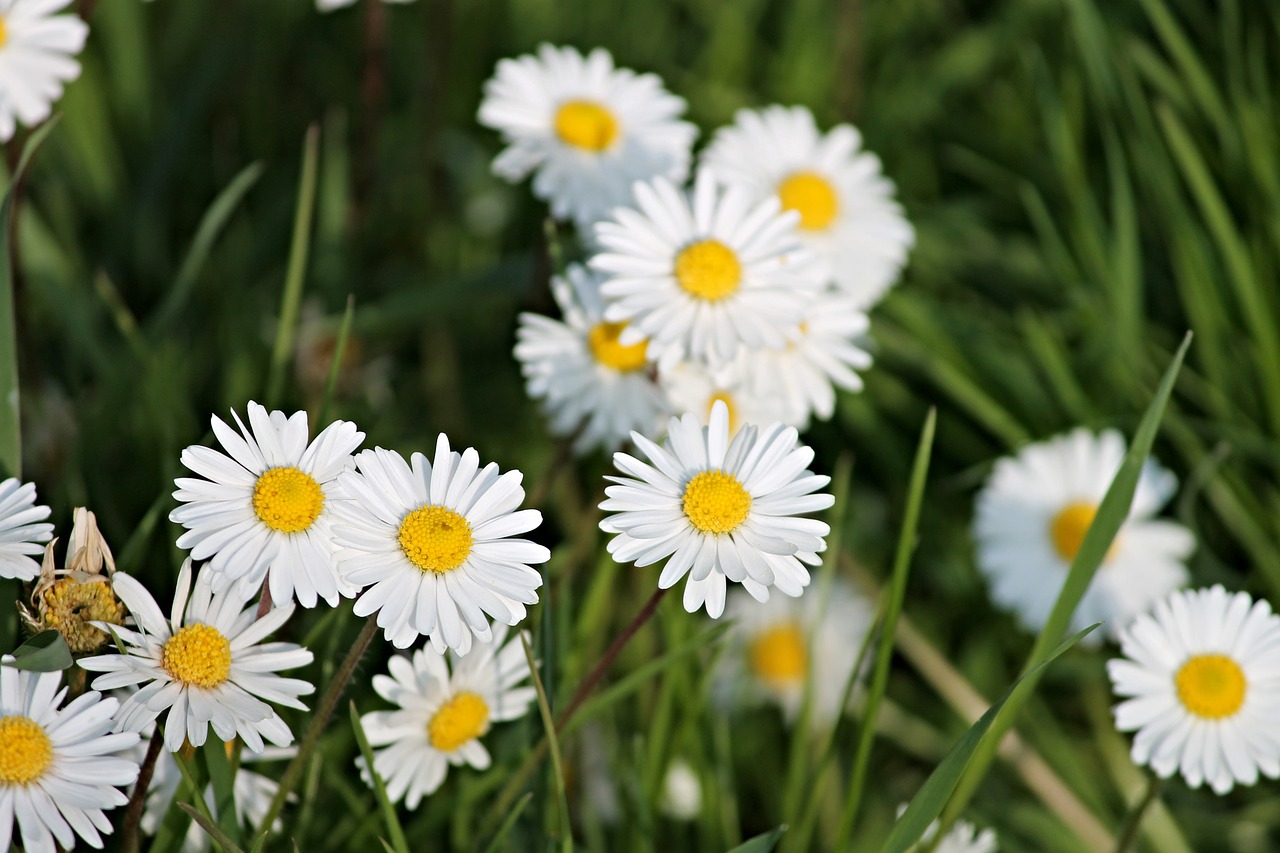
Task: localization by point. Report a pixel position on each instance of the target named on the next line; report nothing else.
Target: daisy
(72, 599)
(1200, 679)
(586, 379)
(57, 768)
(432, 539)
(963, 837)
(587, 130)
(21, 534)
(1032, 516)
(205, 666)
(444, 708)
(694, 387)
(723, 509)
(265, 506)
(681, 797)
(848, 215)
(700, 277)
(37, 56)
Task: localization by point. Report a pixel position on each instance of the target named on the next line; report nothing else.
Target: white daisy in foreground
(204, 666)
(431, 538)
(266, 505)
(1032, 517)
(57, 768)
(584, 376)
(694, 387)
(701, 276)
(848, 215)
(1200, 679)
(22, 531)
(587, 130)
(37, 56)
(444, 710)
(719, 509)
(963, 837)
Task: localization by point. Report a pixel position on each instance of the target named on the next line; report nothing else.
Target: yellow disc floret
(715, 502)
(1068, 527)
(287, 500)
(70, 604)
(463, 718)
(586, 125)
(812, 196)
(708, 269)
(603, 340)
(199, 655)
(435, 538)
(778, 655)
(1211, 686)
(25, 750)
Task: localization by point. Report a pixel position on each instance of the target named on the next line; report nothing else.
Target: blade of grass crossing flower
(897, 592)
(398, 843)
(222, 775)
(1097, 541)
(214, 832)
(335, 364)
(544, 708)
(195, 791)
(761, 843)
(45, 652)
(932, 796)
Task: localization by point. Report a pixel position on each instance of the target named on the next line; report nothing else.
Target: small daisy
(848, 215)
(723, 509)
(57, 768)
(1032, 517)
(205, 666)
(21, 534)
(266, 505)
(432, 540)
(1200, 679)
(443, 711)
(72, 599)
(700, 277)
(963, 837)
(584, 376)
(37, 56)
(588, 130)
(694, 387)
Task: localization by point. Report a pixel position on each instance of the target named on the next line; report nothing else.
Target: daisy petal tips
(431, 541)
(23, 530)
(719, 510)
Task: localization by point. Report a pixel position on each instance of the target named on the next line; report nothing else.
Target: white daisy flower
(432, 541)
(848, 215)
(443, 711)
(330, 5)
(1200, 679)
(681, 797)
(963, 837)
(205, 666)
(587, 130)
(22, 534)
(701, 276)
(266, 505)
(1032, 516)
(37, 56)
(584, 376)
(58, 772)
(694, 387)
(719, 509)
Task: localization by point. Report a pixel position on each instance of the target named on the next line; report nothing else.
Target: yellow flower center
(287, 500)
(198, 654)
(435, 538)
(812, 196)
(586, 125)
(715, 502)
(708, 269)
(726, 398)
(779, 654)
(25, 750)
(1211, 686)
(603, 340)
(463, 718)
(1068, 527)
(69, 605)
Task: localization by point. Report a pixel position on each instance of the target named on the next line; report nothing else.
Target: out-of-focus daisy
(681, 797)
(963, 837)
(444, 708)
(778, 646)
(330, 5)
(204, 666)
(266, 505)
(719, 509)
(22, 532)
(692, 386)
(581, 372)
(37, 56)
(1200, 678)
(58, 770)
(1032, 516)
(701, 276)
(587, 130)
(431, 541)
(848, 215)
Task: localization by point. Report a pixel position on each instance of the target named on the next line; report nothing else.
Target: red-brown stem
(133, 812)
(264, 602)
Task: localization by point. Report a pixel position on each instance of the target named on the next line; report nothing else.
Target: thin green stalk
(335, 364)
(544, 709)
(1133, 822)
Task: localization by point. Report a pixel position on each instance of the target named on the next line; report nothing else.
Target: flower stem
(1133, 822)
(133, 812)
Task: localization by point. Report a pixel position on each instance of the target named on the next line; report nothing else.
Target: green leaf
(508, 823)
(45, 652)
(389, 817)
(222, 775)
(761, 843)
(544, 708)
(211, 829)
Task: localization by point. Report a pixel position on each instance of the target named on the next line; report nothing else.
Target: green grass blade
(222, 775)
(45, 652)
(548, 722)
(219, 837)
(508, 823)
(761, 843)
(398, 842)
(335, 364)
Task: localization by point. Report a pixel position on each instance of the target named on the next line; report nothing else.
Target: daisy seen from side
(23, 530)
(693, 386)
(38, 50)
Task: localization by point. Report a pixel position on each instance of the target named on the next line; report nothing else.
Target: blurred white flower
(330, 5)
(963, 837)
(37, 56)
(681, 797)
(692, 386)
